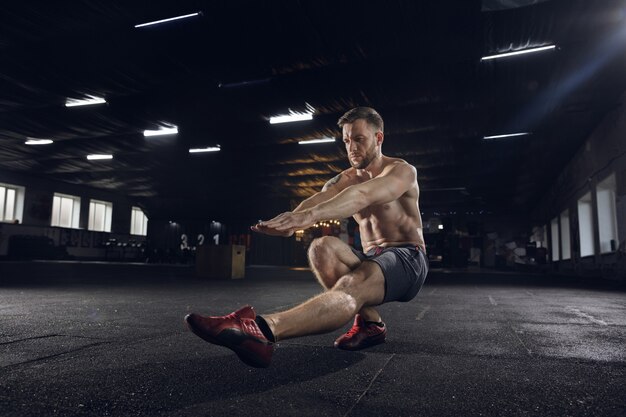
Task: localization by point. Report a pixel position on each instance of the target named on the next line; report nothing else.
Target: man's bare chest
(380, 213)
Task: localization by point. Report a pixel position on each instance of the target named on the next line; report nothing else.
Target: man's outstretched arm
(330, 189)
(379, 190)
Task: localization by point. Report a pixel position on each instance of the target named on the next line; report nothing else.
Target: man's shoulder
(394, 164)
(346, 176)
(349, 172)
(342, 180)
(393, 161)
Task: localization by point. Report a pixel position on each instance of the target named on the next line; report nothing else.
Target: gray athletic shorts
(404, 269)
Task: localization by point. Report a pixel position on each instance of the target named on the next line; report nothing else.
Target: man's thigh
(341, 252)
(366, 283)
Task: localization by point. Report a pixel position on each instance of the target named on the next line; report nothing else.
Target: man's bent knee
(322, 257)
(322, 248)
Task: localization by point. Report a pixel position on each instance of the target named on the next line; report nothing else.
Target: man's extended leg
(362, 287)
(251, 336)
(330, 259)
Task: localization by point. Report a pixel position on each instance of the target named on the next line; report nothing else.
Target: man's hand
(285, 224)
(267, 231)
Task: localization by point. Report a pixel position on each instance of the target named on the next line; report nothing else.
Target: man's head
(363, 136)
(370, 115)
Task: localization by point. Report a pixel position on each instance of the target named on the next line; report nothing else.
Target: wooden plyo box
(221, 261)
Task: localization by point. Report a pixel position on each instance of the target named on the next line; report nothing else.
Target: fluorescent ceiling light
(156, 22)
(73, 102)
(33, 141)
(163, 131)
(96, 157)
(208, 149)
(520, 52)
(322, 140)
(293, 117)
(508, 135)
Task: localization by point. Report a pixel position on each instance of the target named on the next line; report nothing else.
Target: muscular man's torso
(396, 223)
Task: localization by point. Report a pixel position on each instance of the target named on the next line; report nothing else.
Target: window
(554, 234)
(566, 250)
(65, 210)
(607, 221)
(11, 202)
(7, 203)
(100, 215)
(138, 222)
(585, 225)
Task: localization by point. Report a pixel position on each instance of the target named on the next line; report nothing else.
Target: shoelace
(354, 330)
(247, 324)
(251, 328)
(232, 315)
(229, 317)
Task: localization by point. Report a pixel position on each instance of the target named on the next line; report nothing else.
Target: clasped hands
(285, 224)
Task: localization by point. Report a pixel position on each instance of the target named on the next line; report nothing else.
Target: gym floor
(109, 340)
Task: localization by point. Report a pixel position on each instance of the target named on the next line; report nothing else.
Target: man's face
(361, 143)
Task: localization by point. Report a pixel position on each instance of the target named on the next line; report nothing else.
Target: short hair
(370, 115)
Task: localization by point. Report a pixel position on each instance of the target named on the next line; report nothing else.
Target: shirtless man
(381, 193)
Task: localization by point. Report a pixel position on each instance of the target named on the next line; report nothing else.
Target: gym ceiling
(219, 76)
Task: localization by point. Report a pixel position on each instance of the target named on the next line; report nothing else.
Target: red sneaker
(361, 335)
(237, 331)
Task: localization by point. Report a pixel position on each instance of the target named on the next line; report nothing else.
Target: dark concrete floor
(109, 340)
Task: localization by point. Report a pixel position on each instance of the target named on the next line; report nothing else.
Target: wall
(603, 153)
(80, 243)
(272, 250)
